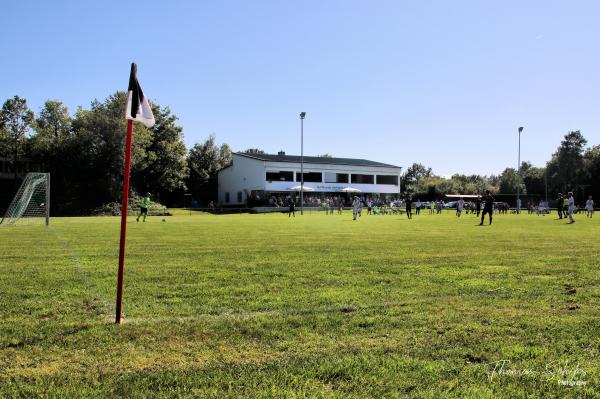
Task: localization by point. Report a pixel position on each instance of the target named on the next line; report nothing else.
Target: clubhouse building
(255, 176)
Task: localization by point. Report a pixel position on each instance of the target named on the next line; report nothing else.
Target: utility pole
(519, 173)
(302, 115)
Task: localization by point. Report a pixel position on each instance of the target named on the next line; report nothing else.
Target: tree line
(84, 153)
(572, 167)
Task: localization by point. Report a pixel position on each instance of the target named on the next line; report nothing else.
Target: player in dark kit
(292, 207)
(478, 205)
(488, 206)
(559, 205)
(409, 207)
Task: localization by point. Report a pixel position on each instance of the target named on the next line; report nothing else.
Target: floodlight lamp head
(302, 115)
(520, 129)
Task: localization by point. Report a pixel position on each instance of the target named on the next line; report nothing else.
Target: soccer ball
(164, 220)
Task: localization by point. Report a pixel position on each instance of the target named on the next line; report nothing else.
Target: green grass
(316, 306)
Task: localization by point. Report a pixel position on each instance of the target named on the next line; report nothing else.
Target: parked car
(451, 204)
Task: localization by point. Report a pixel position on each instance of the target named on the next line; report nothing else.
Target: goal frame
(46, 204)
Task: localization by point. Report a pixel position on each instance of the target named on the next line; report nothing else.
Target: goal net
(31, 204)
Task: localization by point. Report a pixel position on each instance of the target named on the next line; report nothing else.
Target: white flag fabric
(137, 108)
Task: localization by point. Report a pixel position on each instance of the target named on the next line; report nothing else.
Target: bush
(114, 208)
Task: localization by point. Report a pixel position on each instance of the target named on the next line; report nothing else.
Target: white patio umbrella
(298, 188)
(350, 190)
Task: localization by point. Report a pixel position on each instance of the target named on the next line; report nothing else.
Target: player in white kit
(571, 208)
(589, 207)
(460, 204)
(357, 207)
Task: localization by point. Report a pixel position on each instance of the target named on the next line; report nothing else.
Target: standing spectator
(488, 206)
(418, 206)
(431, 207)
(589, 207)
(369, 206)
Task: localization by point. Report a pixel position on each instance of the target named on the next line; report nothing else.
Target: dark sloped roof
(323, 160)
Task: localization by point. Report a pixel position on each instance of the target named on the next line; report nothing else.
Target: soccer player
(408, 207)
(431, 207)
(565, 205)
(559, 205)
(571, 207)
(144, 207)
(478, 205)
(589, 207)
(357, 207)
(418, 207)
(488, 206)
(459, 206)
(292, 207)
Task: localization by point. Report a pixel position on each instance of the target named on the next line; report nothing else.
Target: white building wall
(244, 175)
(330, 168)
(247, 174)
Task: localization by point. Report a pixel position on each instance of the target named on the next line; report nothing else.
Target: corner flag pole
(137, 109)
(124, 204)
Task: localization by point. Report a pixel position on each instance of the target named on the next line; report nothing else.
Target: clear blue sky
(444, 83)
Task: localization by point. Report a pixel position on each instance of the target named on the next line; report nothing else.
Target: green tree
(534, 179)
(52, 129)
(165, 167)
(54, 120)
(413, 174)
(16, 120)
(591, 171)
(510, 182)
(205, 160)
(566, 165)
(255, 151)
(97, 152)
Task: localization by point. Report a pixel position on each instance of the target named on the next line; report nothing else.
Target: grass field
(316, 306)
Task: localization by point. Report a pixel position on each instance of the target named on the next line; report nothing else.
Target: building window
(311, 177)
(335, 177)
(363, 179)
(341, 178)
(387, 179)
(329, 177)
(239, 196)
(227, 198)
(280, 176)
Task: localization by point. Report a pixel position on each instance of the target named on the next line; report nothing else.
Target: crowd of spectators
(338, 201)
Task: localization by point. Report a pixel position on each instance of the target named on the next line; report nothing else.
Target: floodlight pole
(546, 183)
(519, 173)
(302, 115)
